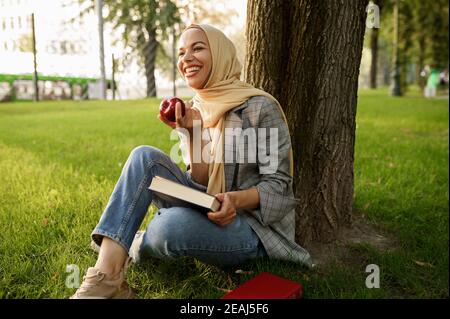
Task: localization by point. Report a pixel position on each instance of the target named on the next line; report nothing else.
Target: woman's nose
(187, 56)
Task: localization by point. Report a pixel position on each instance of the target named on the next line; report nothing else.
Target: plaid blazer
(256, 154)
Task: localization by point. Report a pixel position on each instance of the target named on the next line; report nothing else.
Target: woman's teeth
(192, 71)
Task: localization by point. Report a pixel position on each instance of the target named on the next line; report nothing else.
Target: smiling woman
(194, 58)
(256, 215)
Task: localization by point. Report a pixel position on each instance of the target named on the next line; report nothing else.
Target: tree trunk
(421, 53)
(267, 34)
(374, 35)
(396, 89)
(373, 63)
(149, 53)
(307, 54)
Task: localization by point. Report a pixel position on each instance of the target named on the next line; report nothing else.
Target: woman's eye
(194, 49)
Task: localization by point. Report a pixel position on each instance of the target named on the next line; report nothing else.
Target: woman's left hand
(227, 212)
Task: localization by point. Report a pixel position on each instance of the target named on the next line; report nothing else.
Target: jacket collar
(239, 107)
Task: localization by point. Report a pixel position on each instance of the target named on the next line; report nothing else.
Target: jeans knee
(145, 153)
(165, 231)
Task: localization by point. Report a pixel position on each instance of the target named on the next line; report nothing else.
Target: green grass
(59, 162)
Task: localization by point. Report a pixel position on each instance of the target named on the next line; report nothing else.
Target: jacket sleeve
(275, 186)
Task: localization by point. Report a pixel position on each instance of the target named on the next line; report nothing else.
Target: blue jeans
(173, 231)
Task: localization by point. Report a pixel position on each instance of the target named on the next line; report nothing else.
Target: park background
(60, 157)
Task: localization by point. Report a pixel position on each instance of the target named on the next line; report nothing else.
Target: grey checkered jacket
(274, 220)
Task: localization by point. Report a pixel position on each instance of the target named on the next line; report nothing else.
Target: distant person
(432, 83)
(443, 77)
(425, 71)
(257, 213)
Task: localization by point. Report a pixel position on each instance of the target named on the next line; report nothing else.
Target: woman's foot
(98, 285)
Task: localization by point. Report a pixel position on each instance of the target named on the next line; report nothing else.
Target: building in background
(66, 45)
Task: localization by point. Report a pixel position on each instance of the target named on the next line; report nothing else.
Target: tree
(374, 35)
(374, 56)
(396, 83)
(307, 54)
(430, 33)
(143, 23)
(405, 45)
(423, 34)
(421, 15)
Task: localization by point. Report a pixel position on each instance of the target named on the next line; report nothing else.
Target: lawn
(59, 162)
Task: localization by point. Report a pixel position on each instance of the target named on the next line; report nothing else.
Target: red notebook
(267, 286)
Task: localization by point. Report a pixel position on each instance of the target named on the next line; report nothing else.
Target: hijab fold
(222, 92)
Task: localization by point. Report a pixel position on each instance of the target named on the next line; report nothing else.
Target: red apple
(167, 108)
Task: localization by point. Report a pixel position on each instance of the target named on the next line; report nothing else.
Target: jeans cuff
(98, 234)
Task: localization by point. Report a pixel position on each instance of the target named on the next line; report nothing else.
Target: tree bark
(267, 33)
(149, 50)
(307, 54)
(374, 62)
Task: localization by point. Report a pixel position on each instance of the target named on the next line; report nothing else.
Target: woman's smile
(192, 71)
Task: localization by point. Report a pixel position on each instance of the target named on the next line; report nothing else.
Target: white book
(181, 195)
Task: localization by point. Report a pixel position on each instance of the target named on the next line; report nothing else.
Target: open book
(184, 196)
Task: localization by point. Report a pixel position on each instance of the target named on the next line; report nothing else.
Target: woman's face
(194, 58)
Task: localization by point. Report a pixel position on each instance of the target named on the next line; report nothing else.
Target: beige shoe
(96, 286)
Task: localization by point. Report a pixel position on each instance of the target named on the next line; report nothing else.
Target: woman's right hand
(191, 118)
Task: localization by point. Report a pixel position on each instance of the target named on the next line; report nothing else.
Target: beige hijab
(223, 92)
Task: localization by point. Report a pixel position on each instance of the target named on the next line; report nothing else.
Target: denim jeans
(173, 231)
